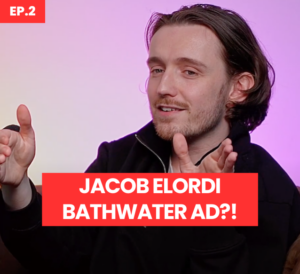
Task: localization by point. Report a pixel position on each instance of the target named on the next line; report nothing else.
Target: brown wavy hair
(241, 53)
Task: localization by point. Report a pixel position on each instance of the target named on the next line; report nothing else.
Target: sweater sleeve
(59, 249)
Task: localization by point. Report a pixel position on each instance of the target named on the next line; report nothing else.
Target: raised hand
(17, 150)
(221, 160)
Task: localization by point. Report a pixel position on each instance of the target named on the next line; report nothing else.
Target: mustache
(167, 101)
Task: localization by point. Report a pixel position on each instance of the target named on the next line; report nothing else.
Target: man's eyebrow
(154, 59)
(191, 61)
(179, 60)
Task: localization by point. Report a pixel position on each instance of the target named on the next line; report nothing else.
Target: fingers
(217, 154)
(225, 156)
(229, 163)
(2, 158)
(4, 138)
(181, 149)
(5, 150)
(227, 148)
(24, 119)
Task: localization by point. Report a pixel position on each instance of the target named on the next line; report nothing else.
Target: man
(208, 81)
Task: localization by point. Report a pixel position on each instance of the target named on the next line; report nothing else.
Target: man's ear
(241, 83)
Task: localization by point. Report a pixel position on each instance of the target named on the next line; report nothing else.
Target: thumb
(181, 150)
(24, 119)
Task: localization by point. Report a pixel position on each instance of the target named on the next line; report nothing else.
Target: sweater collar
(149, 138)
(239, 136)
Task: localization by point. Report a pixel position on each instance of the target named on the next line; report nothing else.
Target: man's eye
(156, 71)
(190, 72)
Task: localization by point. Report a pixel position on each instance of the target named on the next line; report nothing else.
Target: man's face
(188, 85)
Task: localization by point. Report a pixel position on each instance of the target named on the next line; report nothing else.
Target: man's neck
(200, 145)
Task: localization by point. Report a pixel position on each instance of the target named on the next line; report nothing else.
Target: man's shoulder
(127, 151)
(117, 151)
(276, 184)
(126, 142)
(112, 155)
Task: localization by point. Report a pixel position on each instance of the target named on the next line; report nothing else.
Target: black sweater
(204, 250)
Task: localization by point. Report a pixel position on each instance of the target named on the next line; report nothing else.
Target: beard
(198, 122)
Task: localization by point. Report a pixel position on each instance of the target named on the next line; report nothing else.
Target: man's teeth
(168, 109)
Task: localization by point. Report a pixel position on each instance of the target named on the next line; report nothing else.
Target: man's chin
(166, 131)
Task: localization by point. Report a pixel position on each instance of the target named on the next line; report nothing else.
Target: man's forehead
(188, 41)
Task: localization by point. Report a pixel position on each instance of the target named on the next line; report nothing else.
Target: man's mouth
(168, 109)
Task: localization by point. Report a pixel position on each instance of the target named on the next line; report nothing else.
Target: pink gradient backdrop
(83, 73)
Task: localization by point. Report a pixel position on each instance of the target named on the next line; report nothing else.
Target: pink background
(83, 73)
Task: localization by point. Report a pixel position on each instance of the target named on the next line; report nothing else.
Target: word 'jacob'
(180, 185)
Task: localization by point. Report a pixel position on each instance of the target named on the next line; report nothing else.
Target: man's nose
(167, 85)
